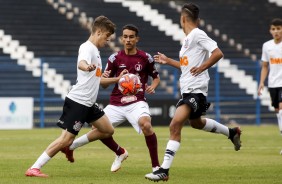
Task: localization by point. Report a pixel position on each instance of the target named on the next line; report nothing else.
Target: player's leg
(279, 110)
(72, 112)
(64, 140)
(210, 125)
(101, 128)
(116, 116)
(140, 119)
(151, 140)
(200, 106)
(276, 100)
(181, 115)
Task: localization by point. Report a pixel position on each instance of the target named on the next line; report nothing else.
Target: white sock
(82, 140)
(41, 161)
(215, 127)
(171, 149)
(279, 118)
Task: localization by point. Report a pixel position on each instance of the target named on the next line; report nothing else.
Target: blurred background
(39, 43)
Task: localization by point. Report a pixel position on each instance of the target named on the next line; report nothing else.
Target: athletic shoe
(35, 172)
(118, 160)
(68, 153)
(159, 175)
(281, 152)
(235, 138)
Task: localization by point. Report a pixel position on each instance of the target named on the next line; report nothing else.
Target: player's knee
(146, 128)
(110, 131)
(197, 123)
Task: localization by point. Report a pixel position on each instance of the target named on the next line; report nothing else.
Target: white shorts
(119, 114)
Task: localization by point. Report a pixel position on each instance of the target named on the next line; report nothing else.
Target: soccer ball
(129, 84)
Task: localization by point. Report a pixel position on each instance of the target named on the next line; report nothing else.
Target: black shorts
(75, 115)
(276, 96)
(197, 102)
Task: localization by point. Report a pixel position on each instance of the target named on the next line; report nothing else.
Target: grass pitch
(203, 158)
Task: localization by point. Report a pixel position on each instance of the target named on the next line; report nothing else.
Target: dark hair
(191, 10)
(103, 23)
(132, 28)
(276, 22)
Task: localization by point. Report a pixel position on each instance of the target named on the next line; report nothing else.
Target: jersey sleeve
(152, 70)
(264, 57)
(206, 42)
(84, 53)
(111, 65)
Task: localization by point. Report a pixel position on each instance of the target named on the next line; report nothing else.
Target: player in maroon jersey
(134, 108)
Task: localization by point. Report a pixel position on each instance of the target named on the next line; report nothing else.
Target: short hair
(191, 10)
(132, 28)
(276, 22)
(103, 23)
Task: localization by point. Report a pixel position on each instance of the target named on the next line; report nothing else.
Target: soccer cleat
(155, 168)
(118, 160)
(158, 175)
(235, 138)
(68, 153)
(34, 172)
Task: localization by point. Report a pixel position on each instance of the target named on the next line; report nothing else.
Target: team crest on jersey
(138, 67)
(77, 126)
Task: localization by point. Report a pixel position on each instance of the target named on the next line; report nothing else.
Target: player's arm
(106, 80)
(155, 82)
(84, 66)
(263, 75)
(163, 59)
(216, 55)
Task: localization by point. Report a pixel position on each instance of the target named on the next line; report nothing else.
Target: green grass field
(203, 158)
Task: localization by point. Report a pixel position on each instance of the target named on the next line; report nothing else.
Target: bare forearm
(105, 82)
(173, 63)
(213, 59)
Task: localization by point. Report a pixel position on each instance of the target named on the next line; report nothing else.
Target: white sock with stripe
(171, 149)
(215, 127)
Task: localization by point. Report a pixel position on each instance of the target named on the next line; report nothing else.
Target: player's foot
(118, 160)
(281, 152)
(155, 168)
(68, 153)
(235, 134)
(35, 172)
(158, 175)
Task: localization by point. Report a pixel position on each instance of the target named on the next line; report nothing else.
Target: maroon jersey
(141, 64)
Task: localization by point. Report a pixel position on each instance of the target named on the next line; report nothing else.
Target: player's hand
(125, 71)
(260, 88)
(91, 67)
(196, 70)
(149, 89)
(160, 58)
(106, 74)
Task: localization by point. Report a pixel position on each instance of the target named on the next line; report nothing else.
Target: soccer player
(79, 106)
(194, 64)
(134, 108)
(272, 61)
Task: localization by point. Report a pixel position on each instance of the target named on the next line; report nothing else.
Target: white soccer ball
(129, 84)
